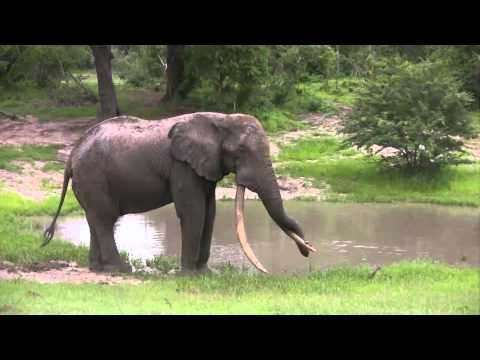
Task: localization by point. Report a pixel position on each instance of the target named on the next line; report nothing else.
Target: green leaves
(416, 108)
(43, 64)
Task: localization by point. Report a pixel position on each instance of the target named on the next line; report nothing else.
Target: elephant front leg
(189, 196)
(206, 242)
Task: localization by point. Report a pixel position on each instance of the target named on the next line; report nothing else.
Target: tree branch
(91, 96)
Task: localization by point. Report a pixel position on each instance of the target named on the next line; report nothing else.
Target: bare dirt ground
(29, 131)
(59, 272)
(30, 183)
(36, 184)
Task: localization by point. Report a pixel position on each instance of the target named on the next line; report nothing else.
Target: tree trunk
(175, 70)
(106, 91)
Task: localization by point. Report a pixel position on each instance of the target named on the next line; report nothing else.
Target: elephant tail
(50, 231)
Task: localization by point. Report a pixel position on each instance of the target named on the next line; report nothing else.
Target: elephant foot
(204, 270)
(207, 270)
(95, 267)
(115, 268)
(186, 272)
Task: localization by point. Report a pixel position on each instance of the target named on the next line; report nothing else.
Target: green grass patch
(39, 103)
(314, 149)
(275, 121)
(227, 181)
(28, 153)
(355, 177)
(15, 204)
(475, 116)
(53, 166)
(331, 91)
(361, 180)
(405, 288)
(21, 233)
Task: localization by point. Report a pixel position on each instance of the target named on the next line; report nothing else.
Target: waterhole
(343, 234)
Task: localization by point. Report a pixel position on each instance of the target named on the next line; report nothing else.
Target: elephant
(127, 165)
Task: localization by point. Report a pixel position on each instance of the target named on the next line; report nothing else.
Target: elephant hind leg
(94, 257)
(110, 260)
(101, 215)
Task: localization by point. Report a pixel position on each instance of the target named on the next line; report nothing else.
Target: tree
(175, 71)
(42, 65)
(418, 109)
(106, 90)
(230, 74)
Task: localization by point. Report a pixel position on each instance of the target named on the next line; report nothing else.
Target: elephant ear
(197, 142)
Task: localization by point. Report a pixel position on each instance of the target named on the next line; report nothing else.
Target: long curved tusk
(301, 242)
(241, 233)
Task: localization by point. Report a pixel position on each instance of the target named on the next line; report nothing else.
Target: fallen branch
(10, 116)
(90, 95)
(375, 271)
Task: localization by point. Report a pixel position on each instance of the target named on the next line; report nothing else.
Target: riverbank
(309, 163)
(406, 288)
(55, 280)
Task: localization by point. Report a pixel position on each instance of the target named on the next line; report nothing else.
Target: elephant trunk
(269, 193)
(270, 196)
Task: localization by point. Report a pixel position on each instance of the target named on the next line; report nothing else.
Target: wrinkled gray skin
(127, 165)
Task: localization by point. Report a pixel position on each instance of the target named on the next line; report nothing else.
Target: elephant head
(215, 145)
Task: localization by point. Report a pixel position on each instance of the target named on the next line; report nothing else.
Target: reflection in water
(344, 234)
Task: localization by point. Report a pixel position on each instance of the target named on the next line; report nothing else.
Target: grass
(141, 102)
(475, 115)
(21, 234)
(325, 147)
(276, 121)
(27, 153)
(40, 102)
(405, 288)
(328, 92)
(353, 177)
(227, 181)
(53, 166)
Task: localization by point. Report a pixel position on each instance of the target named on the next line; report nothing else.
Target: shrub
(418, 109)
(141, 65)
(45, 65)
(233, 72)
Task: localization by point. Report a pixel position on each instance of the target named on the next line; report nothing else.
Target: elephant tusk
(301, 242)
(241, 233)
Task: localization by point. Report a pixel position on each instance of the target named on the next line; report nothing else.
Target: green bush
(163, 263)
(44, 65)
(233, 73)
(418, 109)
(141, 65)
(464, 60)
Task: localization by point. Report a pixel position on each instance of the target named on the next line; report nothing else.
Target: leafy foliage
(140, 65)
(232, 72)
(44, 65)
(418, 109)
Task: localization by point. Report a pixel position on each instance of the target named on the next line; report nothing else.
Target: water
(343, 234)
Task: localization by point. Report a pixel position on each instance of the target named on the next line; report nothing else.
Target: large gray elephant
(127, 165)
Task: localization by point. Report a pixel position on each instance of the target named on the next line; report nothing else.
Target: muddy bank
(31, 181)
(59, 272)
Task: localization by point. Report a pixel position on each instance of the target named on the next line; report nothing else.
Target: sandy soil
(59, 272)
(66, 133)
(30, 183)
